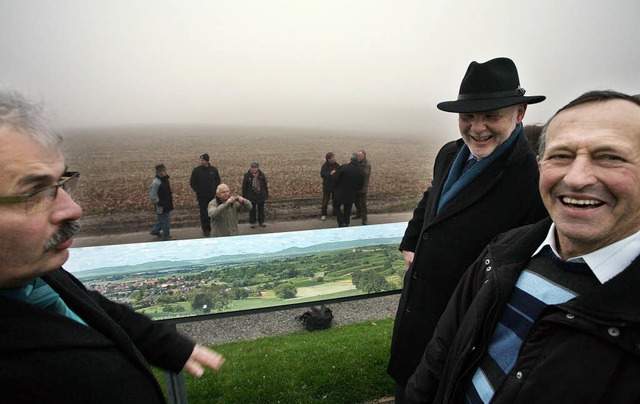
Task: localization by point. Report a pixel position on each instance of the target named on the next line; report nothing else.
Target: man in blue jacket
(60, 342)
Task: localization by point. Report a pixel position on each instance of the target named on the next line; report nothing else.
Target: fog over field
(378, 66)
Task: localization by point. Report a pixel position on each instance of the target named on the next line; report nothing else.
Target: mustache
(67, 230)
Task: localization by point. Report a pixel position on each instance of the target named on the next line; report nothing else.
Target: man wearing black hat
(204, 182)
(483, 184)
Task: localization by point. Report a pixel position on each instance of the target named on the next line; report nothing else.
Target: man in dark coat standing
(161, 196)
(348, 179)
(255, 189)
(483, 184)
(204, 182)
(62, 343)
(326, 171)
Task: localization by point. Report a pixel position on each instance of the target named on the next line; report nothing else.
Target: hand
(240, 199)
(231, 200)
(202, 357)
(407, 256)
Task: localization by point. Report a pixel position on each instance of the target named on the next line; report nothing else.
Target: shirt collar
(606, 262)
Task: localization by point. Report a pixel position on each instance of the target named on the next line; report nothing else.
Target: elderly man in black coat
(483, 184)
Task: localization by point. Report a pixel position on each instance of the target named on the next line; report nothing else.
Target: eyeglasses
(42, 198)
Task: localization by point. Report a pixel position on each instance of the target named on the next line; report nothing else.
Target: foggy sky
(353, 64)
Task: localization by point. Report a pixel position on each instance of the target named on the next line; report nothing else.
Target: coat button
(519, 374)
(570, 316)
(488, 268)
(415, 275)
(425, 236)
(487, 261)
(408, 309)
(613, 331)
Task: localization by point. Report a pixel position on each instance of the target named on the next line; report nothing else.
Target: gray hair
(18, 114)
(219, 187)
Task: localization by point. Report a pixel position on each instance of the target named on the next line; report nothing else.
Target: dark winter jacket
(586, 350)
(161, 195)
(252, 194)
(504, 196)
(46, 357)
(204, 181)
(366, 169)
(325, 173)
(347, 181)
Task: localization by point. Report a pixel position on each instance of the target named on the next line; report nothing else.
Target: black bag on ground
(316, 318)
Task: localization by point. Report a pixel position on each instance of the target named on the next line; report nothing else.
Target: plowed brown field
(117, 166)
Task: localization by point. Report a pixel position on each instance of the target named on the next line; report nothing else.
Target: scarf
(456, 181)
(40, 294)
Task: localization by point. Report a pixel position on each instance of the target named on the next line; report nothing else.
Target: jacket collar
(616, 300)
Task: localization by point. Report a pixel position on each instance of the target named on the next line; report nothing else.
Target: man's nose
(580, 173)
(65, 208)
(478, 125)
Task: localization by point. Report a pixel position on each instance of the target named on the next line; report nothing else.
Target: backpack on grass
(316, 318)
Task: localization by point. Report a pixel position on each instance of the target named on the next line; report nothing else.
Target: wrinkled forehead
(617, 118)
(21, 156)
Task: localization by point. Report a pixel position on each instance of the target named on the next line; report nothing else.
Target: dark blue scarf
(456, 181)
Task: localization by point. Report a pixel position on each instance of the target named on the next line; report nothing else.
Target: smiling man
(550, 312)
(483, 184)
(60, 342)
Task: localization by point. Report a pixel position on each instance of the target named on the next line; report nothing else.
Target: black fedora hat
(488, 86)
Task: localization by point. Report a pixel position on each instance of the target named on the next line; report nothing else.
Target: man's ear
(522, 108)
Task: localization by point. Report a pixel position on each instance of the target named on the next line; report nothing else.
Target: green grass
(344, 364)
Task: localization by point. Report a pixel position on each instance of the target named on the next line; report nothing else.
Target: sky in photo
(373, 65)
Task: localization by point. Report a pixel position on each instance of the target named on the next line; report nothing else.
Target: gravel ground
(252, 326)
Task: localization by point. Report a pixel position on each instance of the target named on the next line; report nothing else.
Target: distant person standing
(162, 199)
(254, 188)
(361, 195)
(223, 211)
(204, 182)
(326, 171)
(347, 180)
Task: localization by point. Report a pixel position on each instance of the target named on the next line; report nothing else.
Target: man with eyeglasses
(59, 341)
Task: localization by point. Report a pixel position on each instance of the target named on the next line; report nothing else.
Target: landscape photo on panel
(185, 278)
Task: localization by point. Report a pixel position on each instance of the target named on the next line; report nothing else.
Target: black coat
(248, 191)
(165, 195)
(46, 357)
(347, 181)
(204, 181)
(325, 173)
(503, 197)
(586, 350)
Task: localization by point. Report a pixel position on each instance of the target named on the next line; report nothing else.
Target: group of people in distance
(218, 208)
(345, 185)
(523, 263)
